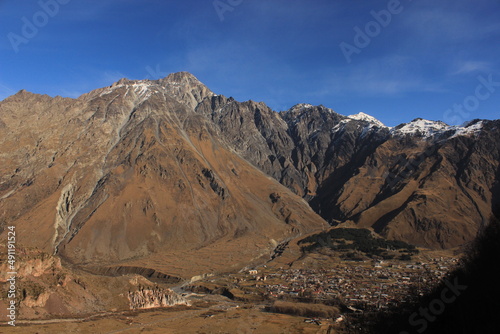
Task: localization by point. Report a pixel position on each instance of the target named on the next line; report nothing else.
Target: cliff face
(423, 182)
(146, 298)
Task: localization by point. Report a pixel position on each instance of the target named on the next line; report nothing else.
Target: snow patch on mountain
(421, 127)
(425, 128)
(367, 118)
(302, 106)
(142, 89)
(340, 125)
(470, 128)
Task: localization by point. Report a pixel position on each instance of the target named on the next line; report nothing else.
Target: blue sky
(431, 60)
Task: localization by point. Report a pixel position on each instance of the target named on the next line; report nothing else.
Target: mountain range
(166, 174)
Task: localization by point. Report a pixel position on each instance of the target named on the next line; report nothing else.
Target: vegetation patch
(354, 241)
(304, 310)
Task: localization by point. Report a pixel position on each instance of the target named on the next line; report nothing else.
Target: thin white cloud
(466, 67)
(389, 76)
(440, 25)
(5, 91)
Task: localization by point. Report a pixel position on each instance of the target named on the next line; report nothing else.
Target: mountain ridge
(423, 181)
(184, 78)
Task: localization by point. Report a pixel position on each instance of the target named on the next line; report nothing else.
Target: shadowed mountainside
(464, 302)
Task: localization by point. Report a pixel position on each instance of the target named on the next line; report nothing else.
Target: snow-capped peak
(470, 127)
(361, 116)
(302, 106)
(422, 127)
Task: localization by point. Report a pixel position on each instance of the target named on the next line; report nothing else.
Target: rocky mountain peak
(25, 96)
(303, 111)
(186, 88)
(302, 106)
(421, 127)
(23, 93)
(122, 82)
(183, 87)
(181, 78)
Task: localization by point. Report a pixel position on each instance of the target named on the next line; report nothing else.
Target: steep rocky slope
(423, 182)
(127, 174)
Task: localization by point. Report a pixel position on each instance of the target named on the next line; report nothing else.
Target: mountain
(423, 182)
(131, 175)
(168, 175)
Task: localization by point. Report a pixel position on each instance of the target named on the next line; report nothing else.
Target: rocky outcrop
(34, 265)
(46, 288)
(146, 298)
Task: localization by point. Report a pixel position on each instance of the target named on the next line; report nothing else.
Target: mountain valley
(140, 195)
